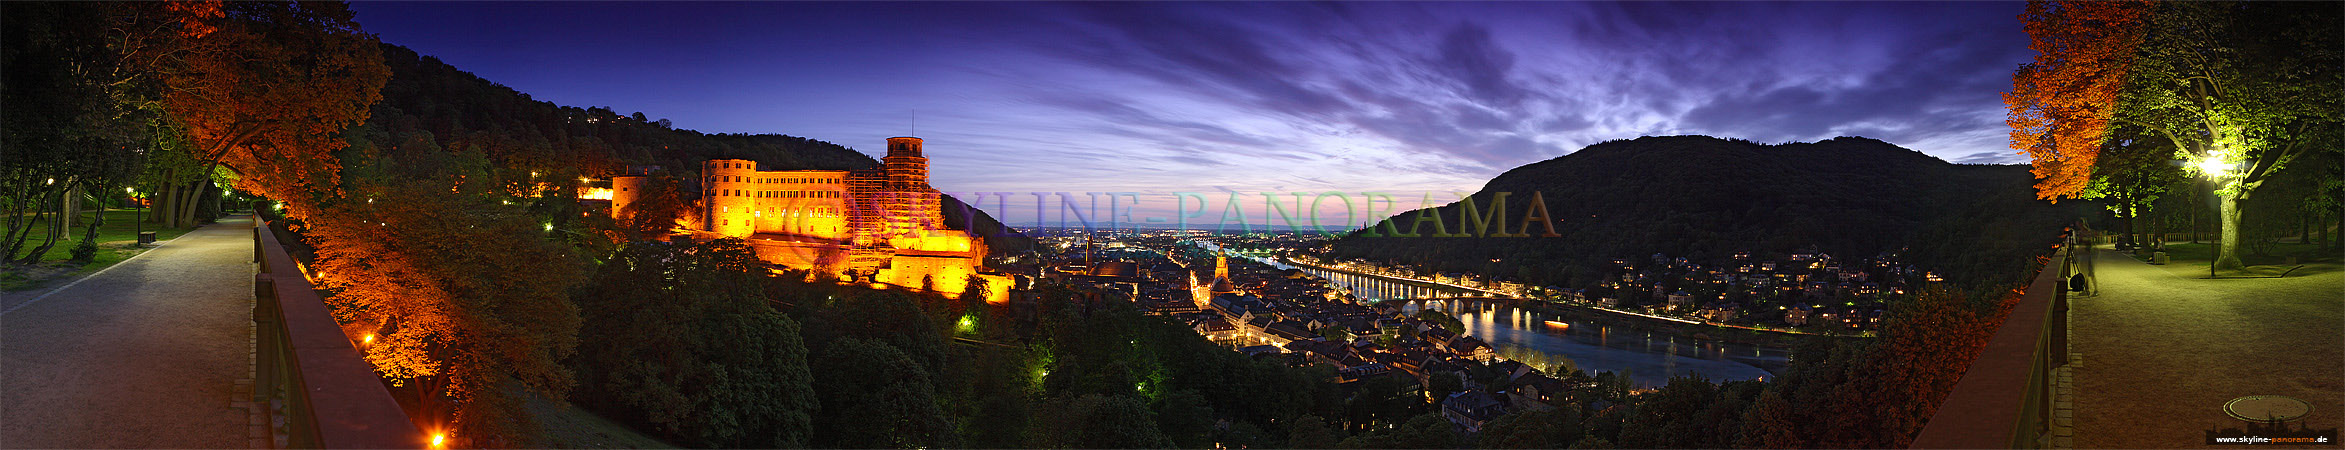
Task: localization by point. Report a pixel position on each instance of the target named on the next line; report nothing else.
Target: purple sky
(1282, 97)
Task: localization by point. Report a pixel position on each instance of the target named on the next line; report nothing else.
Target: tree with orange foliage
(468, 299)
(260, 88)
(2061, 102)
(468, 295)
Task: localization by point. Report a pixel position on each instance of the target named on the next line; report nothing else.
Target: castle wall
(624, 192)
(727, 187)
(809, 203)
(885, 220)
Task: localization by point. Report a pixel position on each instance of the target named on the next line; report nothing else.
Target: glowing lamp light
(549, 227)
(369, 339)
(2214, 167)
(439, 440)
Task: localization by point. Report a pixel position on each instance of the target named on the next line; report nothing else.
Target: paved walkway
(148, 353)
(2161, 353)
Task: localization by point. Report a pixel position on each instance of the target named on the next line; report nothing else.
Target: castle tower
(911, 204)
(624, 191)
(728, 190)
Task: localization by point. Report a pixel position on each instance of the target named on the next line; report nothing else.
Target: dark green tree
(1551, 428)
(875, 396)
(1102, 421)
(742, 379)
(1309, 432)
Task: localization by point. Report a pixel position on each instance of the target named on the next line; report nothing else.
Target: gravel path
(2161, 353)
(145, 354)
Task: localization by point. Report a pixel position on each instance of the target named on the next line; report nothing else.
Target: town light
(369, 339)
(439, 440)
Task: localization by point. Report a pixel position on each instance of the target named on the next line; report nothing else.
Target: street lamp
(2215, 169)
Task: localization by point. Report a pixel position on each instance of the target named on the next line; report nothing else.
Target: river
(1648, 358)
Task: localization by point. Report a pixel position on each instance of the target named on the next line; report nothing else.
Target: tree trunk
(159, 203)
(2303, 224)
(2227, 258)
(188, 200)
(36, 210)
(72, 207)
(2125, 216)
(57, 229)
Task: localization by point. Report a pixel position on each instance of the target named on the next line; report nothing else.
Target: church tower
(1221, 282)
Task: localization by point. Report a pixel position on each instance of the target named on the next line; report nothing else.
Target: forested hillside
(1705, 198)
(517, 135)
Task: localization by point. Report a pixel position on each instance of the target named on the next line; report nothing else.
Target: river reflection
(1648, 358)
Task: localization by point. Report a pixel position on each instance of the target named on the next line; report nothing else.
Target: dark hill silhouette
(1706, 198)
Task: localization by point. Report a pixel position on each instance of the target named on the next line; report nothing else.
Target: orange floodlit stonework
(882, 226)
(594, 193)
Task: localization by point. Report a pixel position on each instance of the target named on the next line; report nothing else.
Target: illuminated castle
(882, 226)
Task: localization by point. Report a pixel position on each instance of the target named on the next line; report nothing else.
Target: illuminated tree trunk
(2227, 257)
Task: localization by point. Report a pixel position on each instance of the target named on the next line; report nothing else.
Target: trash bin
(146, 237)
(2158, 258)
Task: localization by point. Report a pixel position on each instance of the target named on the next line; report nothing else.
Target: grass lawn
(114, 245)
(2191, 260)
